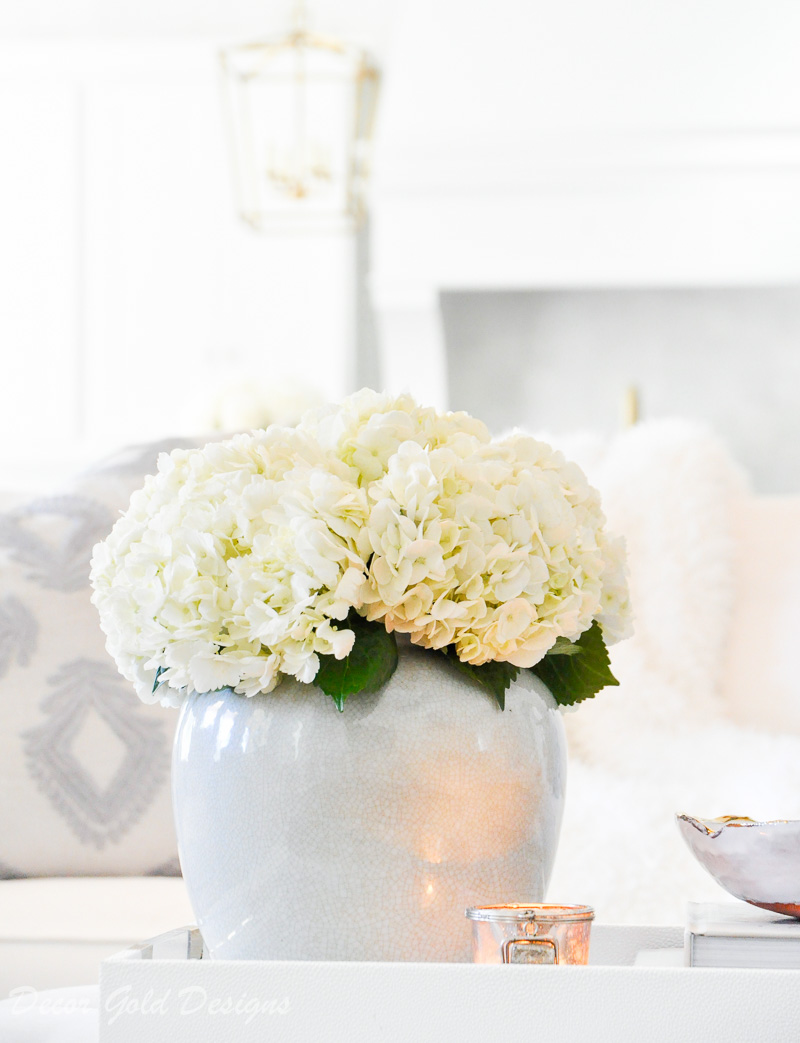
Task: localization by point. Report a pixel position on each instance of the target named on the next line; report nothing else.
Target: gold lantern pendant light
(300, 113)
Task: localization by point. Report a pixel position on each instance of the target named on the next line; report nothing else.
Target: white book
(734, 934)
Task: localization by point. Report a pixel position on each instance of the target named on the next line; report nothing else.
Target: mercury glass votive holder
(537, 934)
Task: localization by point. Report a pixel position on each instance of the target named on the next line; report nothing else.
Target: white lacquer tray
(635, 989)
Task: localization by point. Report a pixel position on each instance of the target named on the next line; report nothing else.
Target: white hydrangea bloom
(368, 428)
(615, 616)
(494, 549)
(232, 566)
(240, 562)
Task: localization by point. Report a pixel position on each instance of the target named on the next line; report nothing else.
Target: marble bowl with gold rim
(758, 862)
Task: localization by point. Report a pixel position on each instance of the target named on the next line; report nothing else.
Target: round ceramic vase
(306, 833)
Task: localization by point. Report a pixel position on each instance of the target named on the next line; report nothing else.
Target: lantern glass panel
(300, 115)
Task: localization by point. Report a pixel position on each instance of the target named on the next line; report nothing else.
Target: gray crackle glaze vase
(305, 833)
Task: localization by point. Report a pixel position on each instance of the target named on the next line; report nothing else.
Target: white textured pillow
(760, 679)
(84, 766)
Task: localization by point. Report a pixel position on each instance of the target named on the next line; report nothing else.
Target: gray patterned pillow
(84, 766)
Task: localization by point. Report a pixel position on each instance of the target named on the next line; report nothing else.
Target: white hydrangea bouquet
(303, 551)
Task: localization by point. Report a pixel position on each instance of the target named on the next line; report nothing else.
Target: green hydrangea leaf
(494, 677)
(564, 646)
(370, 664)
(157, 683)
(573, 678)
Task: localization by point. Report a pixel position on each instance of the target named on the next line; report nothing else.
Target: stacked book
(740, 935)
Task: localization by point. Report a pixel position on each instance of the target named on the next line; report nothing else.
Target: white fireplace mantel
(658, 191)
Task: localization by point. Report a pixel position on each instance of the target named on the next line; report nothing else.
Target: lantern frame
(291, 192)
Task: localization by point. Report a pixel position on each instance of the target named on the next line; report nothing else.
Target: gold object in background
(300, 113)
(631, 412)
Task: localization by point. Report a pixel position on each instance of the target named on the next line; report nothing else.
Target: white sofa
(88, 859)
(55, 931)
(706, 720)
(707, 716)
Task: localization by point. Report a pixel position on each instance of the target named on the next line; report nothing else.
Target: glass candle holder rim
(531, 912)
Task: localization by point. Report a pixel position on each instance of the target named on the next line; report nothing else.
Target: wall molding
(579, 160)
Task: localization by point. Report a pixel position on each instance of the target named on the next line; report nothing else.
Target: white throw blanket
(665, 741)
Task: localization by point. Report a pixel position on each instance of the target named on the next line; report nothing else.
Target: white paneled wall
(130, 293)
(542, 147)
(39, 288)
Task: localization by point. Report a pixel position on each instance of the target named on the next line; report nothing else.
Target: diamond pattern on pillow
(84, 765)
(53, 539)
(18, 633)
(99, 807)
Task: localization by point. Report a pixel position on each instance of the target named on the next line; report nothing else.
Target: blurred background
(600, 195)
